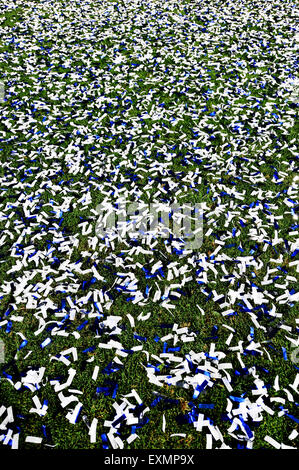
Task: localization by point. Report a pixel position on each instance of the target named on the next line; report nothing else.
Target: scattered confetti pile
(138, 343)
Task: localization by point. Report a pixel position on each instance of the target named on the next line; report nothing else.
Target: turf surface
(153, 101)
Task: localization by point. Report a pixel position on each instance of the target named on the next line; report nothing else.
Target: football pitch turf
(122, 342)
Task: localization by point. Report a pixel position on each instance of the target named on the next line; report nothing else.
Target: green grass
(91, 56)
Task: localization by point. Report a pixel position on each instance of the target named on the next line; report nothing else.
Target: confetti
(129, 112)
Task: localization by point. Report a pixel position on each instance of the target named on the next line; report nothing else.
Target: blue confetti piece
(80, 327)
(237, 399)
(23, 344)
(292, 417)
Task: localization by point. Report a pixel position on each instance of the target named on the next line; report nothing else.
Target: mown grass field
(153, 101)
